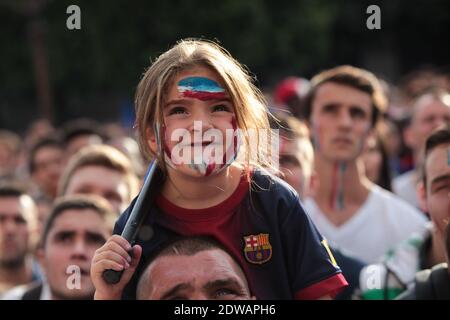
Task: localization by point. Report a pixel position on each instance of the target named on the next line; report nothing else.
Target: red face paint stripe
(204, 95)
(210, 169)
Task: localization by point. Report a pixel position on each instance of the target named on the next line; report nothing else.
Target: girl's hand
(114, 254)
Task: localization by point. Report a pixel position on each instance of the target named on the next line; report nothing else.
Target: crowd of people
(347, 196)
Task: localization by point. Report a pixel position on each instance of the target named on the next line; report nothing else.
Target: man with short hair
(398, 267)
(354, 214)
(195, 268)
(434, 283)
(46, 162)
(104, 171)
(430, 111)
(79, 133)
(18, 219)
(10, 147)
(77, 226)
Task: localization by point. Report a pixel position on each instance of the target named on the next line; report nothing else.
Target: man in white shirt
(350, 211)
(430, 111)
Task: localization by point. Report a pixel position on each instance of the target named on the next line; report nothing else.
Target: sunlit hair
(296, 131)
(439, 137)
(356, 78)
(248, 101)
(103, 156)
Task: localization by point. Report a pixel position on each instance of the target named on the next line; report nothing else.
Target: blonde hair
(249, 103)
(297, 131)
(104, 156)
(357, 78)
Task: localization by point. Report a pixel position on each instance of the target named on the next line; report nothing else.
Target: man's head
(430, 111)
(80, 133)
(193, 269)
(18, 218)
(10, 145)
(101, 170)
(296, 153)
(435, 188)
(343, 106)
(77, 226)
(45, 164)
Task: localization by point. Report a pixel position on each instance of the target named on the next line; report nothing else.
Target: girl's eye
(221, 107)
(177, 110)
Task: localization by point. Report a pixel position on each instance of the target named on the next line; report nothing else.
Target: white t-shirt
(382, 222)
(405, 187)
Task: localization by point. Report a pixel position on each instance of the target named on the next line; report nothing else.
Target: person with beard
(343, 107)
(77, 226)
(18, 217)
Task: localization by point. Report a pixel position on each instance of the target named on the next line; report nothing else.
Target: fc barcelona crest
(257, 248)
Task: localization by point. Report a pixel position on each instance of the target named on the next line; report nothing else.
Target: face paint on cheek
(232, 150)
(201, 88)
(210, 164)
(163, 148)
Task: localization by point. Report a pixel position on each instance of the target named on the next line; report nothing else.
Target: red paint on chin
(204, 95)
(210, 169)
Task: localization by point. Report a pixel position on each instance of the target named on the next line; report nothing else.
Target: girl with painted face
(200, 115)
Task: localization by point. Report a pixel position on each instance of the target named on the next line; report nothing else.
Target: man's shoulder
(30, 291)
(405, 179)
(430, 284)
(272, 188)
(393, 203)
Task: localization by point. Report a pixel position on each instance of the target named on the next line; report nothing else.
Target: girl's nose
(201, 120)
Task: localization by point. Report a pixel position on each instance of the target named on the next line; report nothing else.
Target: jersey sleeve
(313, 268)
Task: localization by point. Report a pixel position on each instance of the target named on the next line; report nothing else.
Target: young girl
(198, 113)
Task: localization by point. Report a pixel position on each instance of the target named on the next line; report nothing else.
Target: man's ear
(369, 138)
(40, 256)
(408, 137)
(422, 196)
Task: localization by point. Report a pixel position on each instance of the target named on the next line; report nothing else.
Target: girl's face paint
(200, 129)
(201, 88)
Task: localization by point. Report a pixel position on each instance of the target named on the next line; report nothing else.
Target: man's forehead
(428, 104)
(438, 161)
(342, 92)
(12, 206)
(76, 220)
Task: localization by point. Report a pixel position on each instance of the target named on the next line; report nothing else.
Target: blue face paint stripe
(199, 84)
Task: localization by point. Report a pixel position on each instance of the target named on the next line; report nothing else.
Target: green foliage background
(94, 70)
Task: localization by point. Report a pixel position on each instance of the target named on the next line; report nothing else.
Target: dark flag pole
(140, 209)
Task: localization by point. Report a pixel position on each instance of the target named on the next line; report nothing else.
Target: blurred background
(48, 71)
